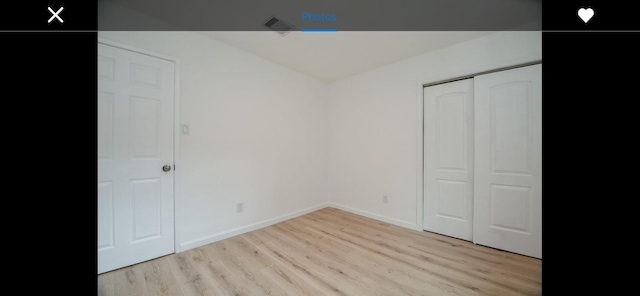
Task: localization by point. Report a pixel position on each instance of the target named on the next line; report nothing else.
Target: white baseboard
(393, 221)
(255, 226)
(244, 229)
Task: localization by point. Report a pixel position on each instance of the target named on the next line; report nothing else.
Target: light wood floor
(331, 252)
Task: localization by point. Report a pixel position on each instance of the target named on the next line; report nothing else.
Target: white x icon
(55, 14)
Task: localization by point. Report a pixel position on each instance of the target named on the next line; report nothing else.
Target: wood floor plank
(191, 277)
(285, 253)
(404, 250)
(433, 279)
(289, 282)
(326, 250)
(106, 284)
(344, 274)
(331, 252)
(281, 281)
(388, 270)
(467, 277)
(129, 281)
(245, 269)
(454, 257)
(159, 280)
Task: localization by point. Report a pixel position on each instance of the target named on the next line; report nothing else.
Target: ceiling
(328, 56)
(333, 56)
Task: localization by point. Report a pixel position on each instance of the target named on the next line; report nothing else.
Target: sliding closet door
(508, 160)
(448, 158)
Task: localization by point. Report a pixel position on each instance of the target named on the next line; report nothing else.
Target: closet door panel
(448, 159)
(508, 160)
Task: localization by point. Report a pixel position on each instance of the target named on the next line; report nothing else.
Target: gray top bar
(340, 15)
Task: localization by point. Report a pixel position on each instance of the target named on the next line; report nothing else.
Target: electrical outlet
(385, 198)
(239, 207)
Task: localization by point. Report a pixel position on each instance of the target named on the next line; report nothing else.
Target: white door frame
(425, 81)
(176, 126)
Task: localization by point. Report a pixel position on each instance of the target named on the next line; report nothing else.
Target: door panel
(508, 160)
(106, 234)
(448, 158)
(511, 127)
(135, 139)
(146, 209)
(105, 126)
(145, 127)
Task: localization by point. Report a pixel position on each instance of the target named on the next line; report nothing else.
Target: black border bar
(347, 15)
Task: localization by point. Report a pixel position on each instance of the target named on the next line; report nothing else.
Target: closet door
(448, 159)
(508, 160)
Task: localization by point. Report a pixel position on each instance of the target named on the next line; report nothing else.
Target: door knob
(166, 168)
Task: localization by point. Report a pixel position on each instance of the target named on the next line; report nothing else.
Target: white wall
(258, 136)
(375, 124)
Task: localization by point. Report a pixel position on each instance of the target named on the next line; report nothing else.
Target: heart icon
(585, 14)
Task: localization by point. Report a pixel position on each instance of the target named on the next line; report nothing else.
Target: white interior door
(448, 159)
(135, 141)
(508, 160)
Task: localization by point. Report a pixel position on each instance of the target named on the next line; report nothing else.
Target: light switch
(185, 129)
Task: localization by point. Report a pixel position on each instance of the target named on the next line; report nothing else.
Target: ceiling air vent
(278, 25)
